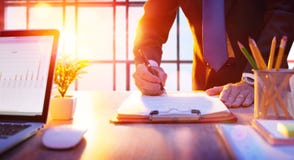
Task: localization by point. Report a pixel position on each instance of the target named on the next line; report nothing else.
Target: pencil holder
(273, 94)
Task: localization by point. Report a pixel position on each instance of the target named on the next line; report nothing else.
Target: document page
(140, 105)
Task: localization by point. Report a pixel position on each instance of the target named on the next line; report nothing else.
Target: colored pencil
(248, 56)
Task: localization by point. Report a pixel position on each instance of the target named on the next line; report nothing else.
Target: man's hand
(234, 95)
(148, 83)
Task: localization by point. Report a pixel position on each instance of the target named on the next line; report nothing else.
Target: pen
(150, 69)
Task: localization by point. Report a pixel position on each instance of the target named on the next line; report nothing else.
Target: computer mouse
(63, 136)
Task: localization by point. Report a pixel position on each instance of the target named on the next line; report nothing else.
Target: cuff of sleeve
(248, 78)
(153, 63)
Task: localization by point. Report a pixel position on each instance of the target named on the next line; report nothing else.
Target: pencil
(272, 53)
(281, 52)
(149, 68)
(247, 55)
(256, 54)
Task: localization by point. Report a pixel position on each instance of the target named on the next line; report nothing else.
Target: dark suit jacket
(259, 19)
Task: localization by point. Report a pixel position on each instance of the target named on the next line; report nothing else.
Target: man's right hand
(148, 83)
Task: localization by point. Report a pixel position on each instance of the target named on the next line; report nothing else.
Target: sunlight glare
(45, 10)
(68, 42)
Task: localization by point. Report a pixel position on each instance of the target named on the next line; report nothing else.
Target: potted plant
(67, 70)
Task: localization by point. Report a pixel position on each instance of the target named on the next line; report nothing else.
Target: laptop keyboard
(7, 129)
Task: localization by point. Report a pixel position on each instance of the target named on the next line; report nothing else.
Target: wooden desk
(105, 140)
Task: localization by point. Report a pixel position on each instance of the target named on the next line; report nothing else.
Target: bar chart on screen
(23, 74)
(29, 79)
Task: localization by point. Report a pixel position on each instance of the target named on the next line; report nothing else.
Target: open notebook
(173, 107)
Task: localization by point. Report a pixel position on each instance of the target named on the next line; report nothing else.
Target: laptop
(27, 61)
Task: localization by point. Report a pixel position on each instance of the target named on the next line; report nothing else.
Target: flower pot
(62, 108)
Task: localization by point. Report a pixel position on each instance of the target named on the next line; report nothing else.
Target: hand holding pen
(149, 84)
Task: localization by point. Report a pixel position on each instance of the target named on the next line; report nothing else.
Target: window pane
(98, 77)
(186, 41)
(186, 77)
(45, 17)
(95, 33)
(169, 49)
(132, 70)
(134, 16)
(171, 71)
(120, 36)
(15, 18)
(121, 77)
(90, 36)
(68, 35)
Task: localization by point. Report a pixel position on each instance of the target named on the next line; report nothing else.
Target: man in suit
(258, 19)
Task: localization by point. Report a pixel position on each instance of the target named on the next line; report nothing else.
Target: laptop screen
(26, 71)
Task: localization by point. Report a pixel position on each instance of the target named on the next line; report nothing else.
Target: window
(103, 32)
